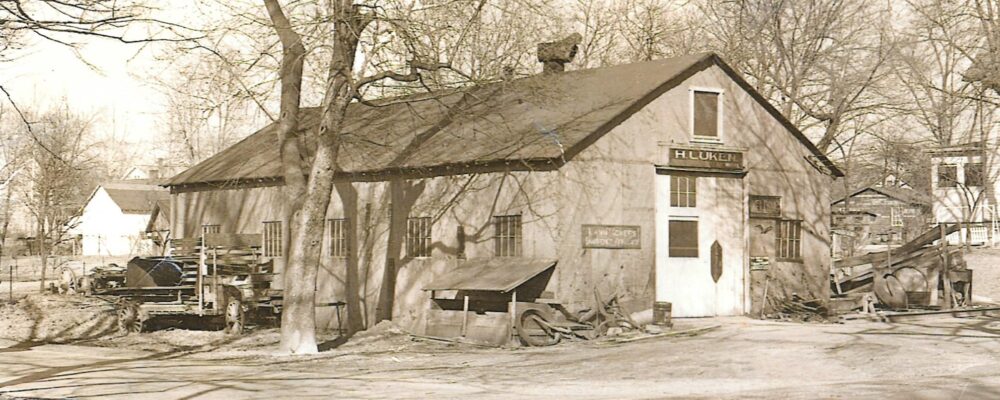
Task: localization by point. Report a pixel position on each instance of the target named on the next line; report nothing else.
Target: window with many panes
(683, 191)
(896, 216)
(507, 235)
(210, 228)
(947, 175)
(336, 236)
(273, 247)
(789, 240)
(683, 238)
(418, 237)
(706, 115)
(974, 174)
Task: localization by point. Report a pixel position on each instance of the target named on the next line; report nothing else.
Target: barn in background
(113, 221)
(668, 180)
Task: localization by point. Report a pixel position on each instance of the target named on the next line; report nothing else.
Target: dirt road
(943, 358)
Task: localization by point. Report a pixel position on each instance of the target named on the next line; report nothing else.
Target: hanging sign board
(702, 158)
(765, 206)
(611, 237)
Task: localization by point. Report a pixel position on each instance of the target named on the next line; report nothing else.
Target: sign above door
(706, 158)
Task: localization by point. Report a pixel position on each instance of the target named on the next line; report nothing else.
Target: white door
(700, 212)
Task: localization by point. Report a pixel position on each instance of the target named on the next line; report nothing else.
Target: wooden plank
(919, 242)
(233, 239)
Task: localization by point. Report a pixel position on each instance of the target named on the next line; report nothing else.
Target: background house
(963, 183)
(114, 220)
(881, 215)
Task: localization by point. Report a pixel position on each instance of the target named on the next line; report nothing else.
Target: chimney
(555, 55)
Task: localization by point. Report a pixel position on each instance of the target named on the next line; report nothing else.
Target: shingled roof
(135, 198)
(531, 123)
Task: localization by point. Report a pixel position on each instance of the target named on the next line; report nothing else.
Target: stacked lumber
(921, 266)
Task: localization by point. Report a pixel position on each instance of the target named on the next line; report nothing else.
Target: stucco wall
(611, 182)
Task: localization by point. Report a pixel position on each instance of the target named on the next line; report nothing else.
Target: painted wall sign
(701, 158)
(765, 206)
(611, 237)
(759, 263)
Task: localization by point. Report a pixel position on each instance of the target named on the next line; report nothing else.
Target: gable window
(210, 228)
(947, 175)
(507, 235)
(706, 115)
(974, 175)
(789, 240)
(896, 217)
(683, 238)
(683, 190)
(336, 236)
(273, 247)
(418, 237)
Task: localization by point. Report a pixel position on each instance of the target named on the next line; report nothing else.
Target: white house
(113, 221)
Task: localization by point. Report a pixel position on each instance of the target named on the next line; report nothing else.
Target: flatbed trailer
(224, 280)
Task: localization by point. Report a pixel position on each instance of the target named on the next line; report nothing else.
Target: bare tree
(822, 62)
(56, 181)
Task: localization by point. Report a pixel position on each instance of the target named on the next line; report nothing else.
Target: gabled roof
(161, 211)
(902, 194)
(135, 198)
(539, 122)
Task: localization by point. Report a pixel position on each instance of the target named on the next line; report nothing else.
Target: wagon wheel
(235, 316)
(130, 319)
(534, 330)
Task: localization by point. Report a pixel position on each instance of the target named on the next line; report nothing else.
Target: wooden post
(465, 315)
(513, 312)
(943, 248)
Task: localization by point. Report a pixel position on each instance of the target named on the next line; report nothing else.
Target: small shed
(479, 299)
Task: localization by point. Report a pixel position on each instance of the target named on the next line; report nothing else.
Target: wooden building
(658, 181)
(881, 215)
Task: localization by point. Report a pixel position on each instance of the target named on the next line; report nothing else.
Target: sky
(113, 88)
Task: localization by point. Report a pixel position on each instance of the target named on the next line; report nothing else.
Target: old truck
(219, 280)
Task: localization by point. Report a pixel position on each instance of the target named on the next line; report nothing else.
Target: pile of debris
(801, 310)
(920, 274)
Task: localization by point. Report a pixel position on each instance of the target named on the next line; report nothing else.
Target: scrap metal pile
(550, 323)
(920, 274)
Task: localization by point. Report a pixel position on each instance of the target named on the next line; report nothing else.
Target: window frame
(679, 251)
(272, 240)
(511, 243)
(980, 174)
(690, 192)
(953, 181)
(210, 228)
(719, 113)
(337, 246)
(793, 243)
(895, 217)
(419, 235)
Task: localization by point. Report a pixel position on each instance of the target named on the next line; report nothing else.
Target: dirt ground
(937, 358)
(60, 346)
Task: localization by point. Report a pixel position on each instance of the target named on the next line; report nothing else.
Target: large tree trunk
(298, 322)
